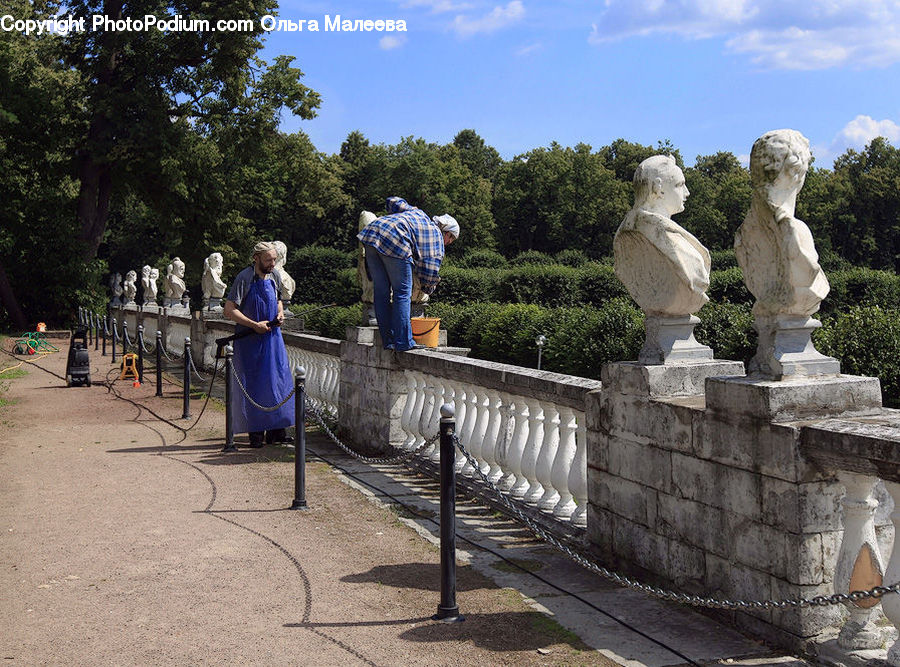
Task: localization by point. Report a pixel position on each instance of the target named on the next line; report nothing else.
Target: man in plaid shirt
(403, 241)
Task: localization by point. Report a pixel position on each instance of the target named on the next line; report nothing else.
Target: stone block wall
(697, 481)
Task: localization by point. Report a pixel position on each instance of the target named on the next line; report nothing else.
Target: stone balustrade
(534, 449)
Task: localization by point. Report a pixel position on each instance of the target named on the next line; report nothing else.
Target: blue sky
(708, 75)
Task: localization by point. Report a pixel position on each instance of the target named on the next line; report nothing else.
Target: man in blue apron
(260, 359)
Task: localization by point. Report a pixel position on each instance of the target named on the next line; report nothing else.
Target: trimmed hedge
(866, 340)
(862, 286)
(728, 329)
(317, 272)
(579, 340)
(532, 257)
(479, 259)
(330, 322)
(549, 285)
(572, 257)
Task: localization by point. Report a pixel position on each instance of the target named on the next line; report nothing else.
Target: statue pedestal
(786, 349)
(670, 340)
(368, 315)
(214, 305)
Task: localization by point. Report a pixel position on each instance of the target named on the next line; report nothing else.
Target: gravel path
(126, 541)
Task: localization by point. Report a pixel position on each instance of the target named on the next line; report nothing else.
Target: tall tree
(148, 87)
(39, 124)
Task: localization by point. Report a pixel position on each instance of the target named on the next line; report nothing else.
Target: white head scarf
(448, 224)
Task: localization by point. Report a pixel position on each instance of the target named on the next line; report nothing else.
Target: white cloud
(529, 49)
(815, 34)
(862, 129)
(390, 42)
(500, 17)
(438, 6)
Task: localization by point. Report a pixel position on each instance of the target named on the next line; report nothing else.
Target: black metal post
(96, 331)
(124, 336)
(105, 334)
(140, 352)
(115, 339)
(447, 610)
(80, 316)
(187, 379)
(159, 363)
(89, 323)
(229, 416)
(299, 439)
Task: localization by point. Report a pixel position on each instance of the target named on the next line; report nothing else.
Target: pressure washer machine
(78, 366)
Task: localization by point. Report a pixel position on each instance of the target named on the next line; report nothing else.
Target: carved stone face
(145, 272)
(673, 190)
(178, 267)
(215, 260)
(131, 276)
(154, 274)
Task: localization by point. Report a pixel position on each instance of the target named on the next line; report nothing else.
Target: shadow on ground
(521, 631)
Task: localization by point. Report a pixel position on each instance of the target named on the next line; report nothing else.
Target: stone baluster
(547, 457)
(406, 418)
(481, 428)
(533, 450)
(445, 395)
(492, 435)
(859, 566)
(334, 394)
(479, 404)
(504, 478)
(431, 414)
(519, 484)
(460, 400)
(418, 407)
(578, 473)
(562, 464)
(468, 428)
(891, 603)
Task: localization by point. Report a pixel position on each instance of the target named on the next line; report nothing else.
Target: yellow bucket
(426, 330)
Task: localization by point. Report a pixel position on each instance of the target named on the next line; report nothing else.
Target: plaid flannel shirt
(408, 232)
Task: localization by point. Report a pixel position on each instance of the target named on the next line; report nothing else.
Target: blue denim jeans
(392, 274)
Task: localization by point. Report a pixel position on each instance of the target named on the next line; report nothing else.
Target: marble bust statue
(774, 249)
(211, 281)
(175, 285)
(151, 291)
(778, 258)
(362, 274)
(116, 289)
(287, 283)
(663, 266)
(130, 287)
(148, 282)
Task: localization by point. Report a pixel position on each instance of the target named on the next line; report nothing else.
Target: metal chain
(166, 355)
(128, 342)
(405, 456)
(254, 403)
(197, 373)
(672, 596)
(144, 347)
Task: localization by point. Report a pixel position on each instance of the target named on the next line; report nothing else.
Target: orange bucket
(426, 330)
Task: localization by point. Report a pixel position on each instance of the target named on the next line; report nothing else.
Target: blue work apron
(261, 362)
